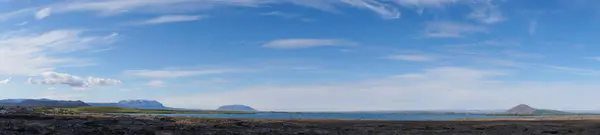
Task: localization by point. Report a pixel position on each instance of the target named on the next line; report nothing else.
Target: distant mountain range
(153, 104)
(137, 104)
(50, 103)
(41, 102)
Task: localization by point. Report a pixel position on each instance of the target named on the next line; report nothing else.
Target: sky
(305, 55)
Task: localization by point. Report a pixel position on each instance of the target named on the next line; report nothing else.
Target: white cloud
(425, 3)
(209, 81)
(483, 11)
(156, 83)
(17, 13)
(43, 13)
(53, 78)
(5, 81)
(306, 43)
(109, 7)
(451, 29)
(288, 16)
(501, 62)
(281, 14)
(573, 70)
(385, 10)
(173, 73)
(172, 18)
(532, 27)
(102, 81)
(413, 57)
(594, 58)
(27, 54)
(486, 12)
(22, 23)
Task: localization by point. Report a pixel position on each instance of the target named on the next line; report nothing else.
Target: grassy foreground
(98, 109)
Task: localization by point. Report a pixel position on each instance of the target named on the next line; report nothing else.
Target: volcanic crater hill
(526, 109)
(521, 109)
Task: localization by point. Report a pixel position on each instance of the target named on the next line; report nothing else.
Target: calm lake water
(354, 116)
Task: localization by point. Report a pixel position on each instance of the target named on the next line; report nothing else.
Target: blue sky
(304, 55)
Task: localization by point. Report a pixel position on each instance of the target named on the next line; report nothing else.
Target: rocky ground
(121, 125)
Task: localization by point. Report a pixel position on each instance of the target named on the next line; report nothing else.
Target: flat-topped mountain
(141, 104)
(236, 108)
(138, 104)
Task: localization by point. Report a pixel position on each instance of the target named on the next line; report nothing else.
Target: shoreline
(163, 125)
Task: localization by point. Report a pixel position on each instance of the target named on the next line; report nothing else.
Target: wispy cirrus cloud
(22, 23)
(594, 58)
(288, 16)
(111, 7)
(17, 13)
(172, 19)
(25, 53)
(573, 70)
(450, 29)
(532, 27)
(295, 43)
(43, 13)
(483, 11)
(379, 7)
(76, 82)
(426, 3)
(412, 57)
(213, 81)
(173, 73)
(486, 12)
(155, 83)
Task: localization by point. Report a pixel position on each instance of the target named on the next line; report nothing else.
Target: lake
(353, 116)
